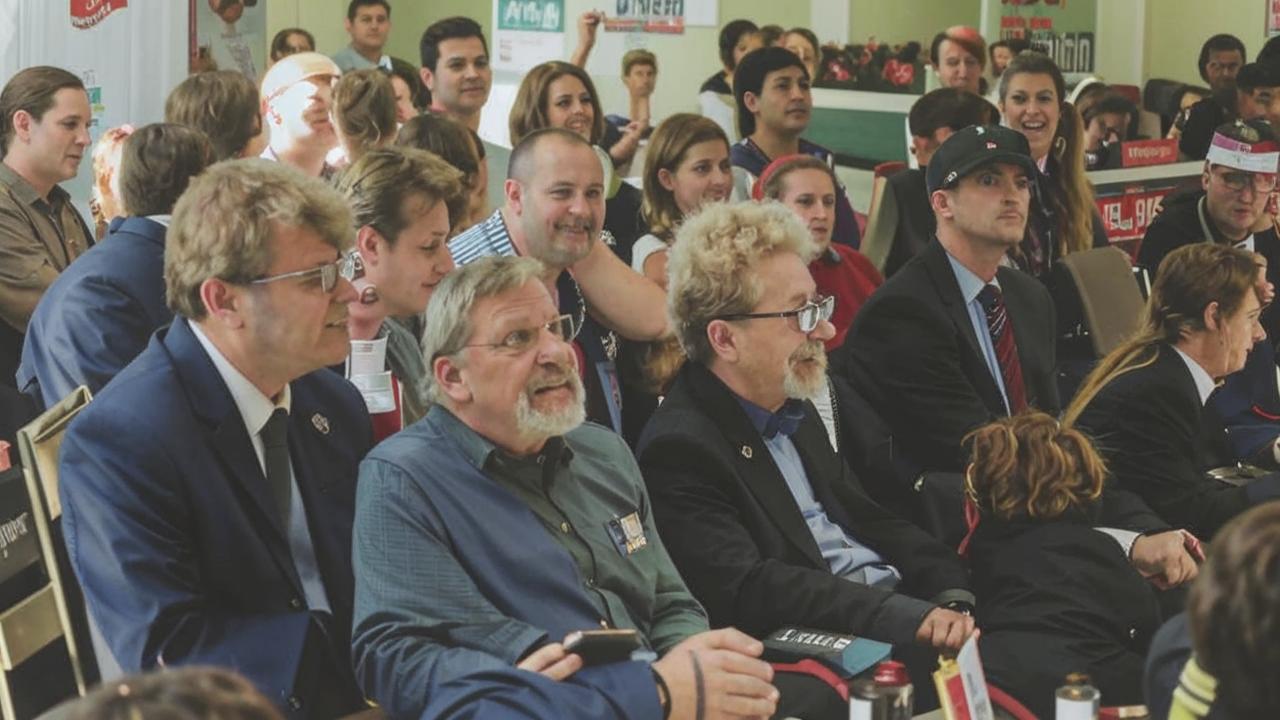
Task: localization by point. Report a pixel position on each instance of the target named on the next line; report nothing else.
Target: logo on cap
(991, 145)
(951, 176)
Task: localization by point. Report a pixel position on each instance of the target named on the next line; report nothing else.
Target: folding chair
(41, 617)
(1109, 296)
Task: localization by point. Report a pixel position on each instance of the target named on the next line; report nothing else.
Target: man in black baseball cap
(957, 339)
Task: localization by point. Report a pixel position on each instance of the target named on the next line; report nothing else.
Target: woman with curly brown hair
(1055, 596)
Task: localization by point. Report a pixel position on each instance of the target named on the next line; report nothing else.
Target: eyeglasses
(807, 316)
(517, 341)
(1239, 180)
(348, 267)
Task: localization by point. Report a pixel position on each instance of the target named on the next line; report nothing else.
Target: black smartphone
(600, 647)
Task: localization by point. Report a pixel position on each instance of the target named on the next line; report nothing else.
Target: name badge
(627, 533)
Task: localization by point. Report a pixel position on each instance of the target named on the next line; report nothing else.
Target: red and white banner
(87, 13)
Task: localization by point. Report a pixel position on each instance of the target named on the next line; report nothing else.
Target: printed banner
(87, 13)
(656, 16)
(1065, 31)
(531, 15)
(228, 35)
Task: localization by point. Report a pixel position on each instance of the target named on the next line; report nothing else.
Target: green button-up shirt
(587, 491)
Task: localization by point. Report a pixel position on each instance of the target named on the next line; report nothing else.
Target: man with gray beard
(765, 521)
(500, 522)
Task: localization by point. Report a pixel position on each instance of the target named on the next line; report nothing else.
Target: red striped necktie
(1006, 347)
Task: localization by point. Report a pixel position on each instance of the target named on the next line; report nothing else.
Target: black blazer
(737, 535)
(916, 221)
(1056, 598)
(1158, 438)
(913, 354)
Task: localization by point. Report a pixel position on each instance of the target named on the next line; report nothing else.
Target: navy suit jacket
(98, 314)
(170, 527)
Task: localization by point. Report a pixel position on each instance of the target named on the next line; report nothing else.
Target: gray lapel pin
(321, 422)
(746, 451)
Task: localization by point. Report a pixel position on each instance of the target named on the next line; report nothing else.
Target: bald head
(295, 68)
(529, 154)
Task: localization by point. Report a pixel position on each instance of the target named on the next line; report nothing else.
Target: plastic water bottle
(1077, 699)
(895, 686)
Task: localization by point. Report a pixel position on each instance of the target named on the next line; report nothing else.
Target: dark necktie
(1006, 348)
(275, 453)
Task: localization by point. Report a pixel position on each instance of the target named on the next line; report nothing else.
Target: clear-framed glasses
(1238, 180)
(348, 266)
(517, 341)
(807, 316)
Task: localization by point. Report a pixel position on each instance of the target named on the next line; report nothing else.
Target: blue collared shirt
(846, 557)
(970, 286)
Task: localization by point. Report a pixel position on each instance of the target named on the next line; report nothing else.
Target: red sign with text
(87, 13)
(1139, 153)
(1126, 216)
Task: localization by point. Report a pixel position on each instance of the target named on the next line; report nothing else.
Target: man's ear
(723, 342)
(1204, 176)
(371, 245)
(514, 194)
(223, 302)
(22, 122)
(428, 78)
(752, 101)
(940, 201)
(448, 376)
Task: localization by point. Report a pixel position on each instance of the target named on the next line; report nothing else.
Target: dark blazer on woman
(1055, 598)
(1158, 439)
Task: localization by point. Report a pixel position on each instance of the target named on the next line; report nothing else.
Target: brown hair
(378, 185)
(1234, 613)
(775, 186)
(1029, 466)
(159, 161)
(1188, 280)
(188, 693)
(1069, 195)
(223, 225)
(668, 145)
(638, 56)
(364, 109)
(222, 104)
(280, 43)
(31, 90)
(446, 138)
(529, 111)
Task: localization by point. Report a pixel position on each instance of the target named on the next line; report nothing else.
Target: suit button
(591, 582)
(295, 703)
(604, 623)
(564, 527)
(295, 603)
(1133, 633)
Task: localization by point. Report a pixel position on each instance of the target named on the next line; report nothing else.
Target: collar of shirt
(970, 284)
(162, 219)
(1204, 383)
(482, 453)
(769, 424)
(254, 407)
(24, 191)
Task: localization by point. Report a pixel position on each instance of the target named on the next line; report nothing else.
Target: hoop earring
(1059, 147)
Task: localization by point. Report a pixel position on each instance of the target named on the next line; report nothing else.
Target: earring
(1059, 147)
(369, 295)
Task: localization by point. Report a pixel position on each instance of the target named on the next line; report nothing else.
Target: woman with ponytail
(1144, 403)
(1055, 596)
(1064, 218)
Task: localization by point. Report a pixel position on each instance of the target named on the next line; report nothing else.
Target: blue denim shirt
(456, 573)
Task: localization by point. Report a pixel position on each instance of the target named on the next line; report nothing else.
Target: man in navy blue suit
(209, 490)
(99, 313)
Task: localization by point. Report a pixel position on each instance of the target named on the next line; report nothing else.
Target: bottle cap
(892, 673)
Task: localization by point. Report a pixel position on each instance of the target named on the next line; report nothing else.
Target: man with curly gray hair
(767, 524)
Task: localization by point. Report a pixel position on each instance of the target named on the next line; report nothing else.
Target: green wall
(905, 20)
(1177, 28)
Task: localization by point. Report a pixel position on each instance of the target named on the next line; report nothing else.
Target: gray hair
(449, 323)
(712, 265)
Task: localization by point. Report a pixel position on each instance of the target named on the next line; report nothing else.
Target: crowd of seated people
(362, 436)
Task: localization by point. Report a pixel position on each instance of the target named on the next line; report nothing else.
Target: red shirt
(850, 278)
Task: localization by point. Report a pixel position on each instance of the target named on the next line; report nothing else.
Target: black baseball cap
(973, 147)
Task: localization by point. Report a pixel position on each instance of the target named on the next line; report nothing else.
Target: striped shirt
(485, 238)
